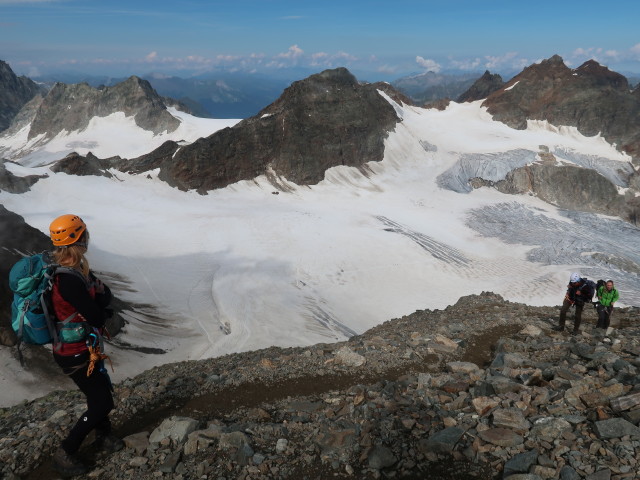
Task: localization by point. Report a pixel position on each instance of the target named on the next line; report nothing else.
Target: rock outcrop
(12, 183)
(15, 92)
(326, 120)
(482, 88)
(483, 389)
(591, 98)
(71, 107)
(76, 164)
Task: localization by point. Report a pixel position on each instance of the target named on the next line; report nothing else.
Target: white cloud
(345, 56)
(151, 57)
(293, 53)
(324, 59)
(467, 64)
(428, 64)
(500, 61)
(389, 69)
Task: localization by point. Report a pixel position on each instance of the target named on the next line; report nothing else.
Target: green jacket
(607, 298)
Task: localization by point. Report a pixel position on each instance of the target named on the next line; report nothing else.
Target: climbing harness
(95, 354)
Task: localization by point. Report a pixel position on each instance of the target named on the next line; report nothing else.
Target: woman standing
(80, 303)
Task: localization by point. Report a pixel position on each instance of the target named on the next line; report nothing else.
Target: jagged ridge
(591, 98)
(15, 92)
(71, 107)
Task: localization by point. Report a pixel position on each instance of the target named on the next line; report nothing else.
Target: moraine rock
(271, 414)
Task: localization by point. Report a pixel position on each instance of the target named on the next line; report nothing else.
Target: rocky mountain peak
(482, 88)
(553, 60)
(551, 68)
(325, 120)
(591, 98)
(15, 92)
(601, 75)
(314, 89)
(71, 107)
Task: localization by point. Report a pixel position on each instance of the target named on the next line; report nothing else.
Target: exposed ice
(489, 166)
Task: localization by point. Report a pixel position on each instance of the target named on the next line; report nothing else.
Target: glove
(99, 285)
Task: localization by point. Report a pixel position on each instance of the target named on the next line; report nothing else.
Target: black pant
(566, 305)
(604, 316)
(97, 389)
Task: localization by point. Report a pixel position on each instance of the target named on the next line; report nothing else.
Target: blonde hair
(73, 256)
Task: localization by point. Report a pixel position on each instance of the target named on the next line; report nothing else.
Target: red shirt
(70, 295)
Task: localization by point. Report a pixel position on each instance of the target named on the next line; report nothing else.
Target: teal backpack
(31, 280)
(32, 317)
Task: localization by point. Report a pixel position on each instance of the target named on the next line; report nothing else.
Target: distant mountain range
(345, 120)
(428, 87)
(222, 95)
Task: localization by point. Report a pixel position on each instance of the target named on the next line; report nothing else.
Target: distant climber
(607, 296)
(80, 302)
(579, 291)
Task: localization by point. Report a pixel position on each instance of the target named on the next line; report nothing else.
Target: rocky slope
(71, 107)
(15, 92)
(482, 389)
(591, 98)
(570, 187)
(482, 88)
(325, 120)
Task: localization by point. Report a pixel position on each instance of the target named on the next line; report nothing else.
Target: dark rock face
(441, 104)
(14, 93)
(13, 184)
(568, 187)
(482, 88)
(75, 164)
(591, 98)
(71, 107)
(326, 120)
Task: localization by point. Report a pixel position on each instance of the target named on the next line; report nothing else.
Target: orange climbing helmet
(66, 230)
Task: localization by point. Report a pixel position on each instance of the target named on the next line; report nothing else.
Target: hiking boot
(108, 443)
(67, 465)
(575, 332)
(557, 328)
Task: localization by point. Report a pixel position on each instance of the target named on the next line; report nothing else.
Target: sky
(377, 39)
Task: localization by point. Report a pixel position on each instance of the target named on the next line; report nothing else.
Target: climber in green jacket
(607, 296)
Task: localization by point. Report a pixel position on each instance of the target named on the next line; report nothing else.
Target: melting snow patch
(509, 88)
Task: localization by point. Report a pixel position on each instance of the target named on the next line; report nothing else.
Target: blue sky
(374, 39)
